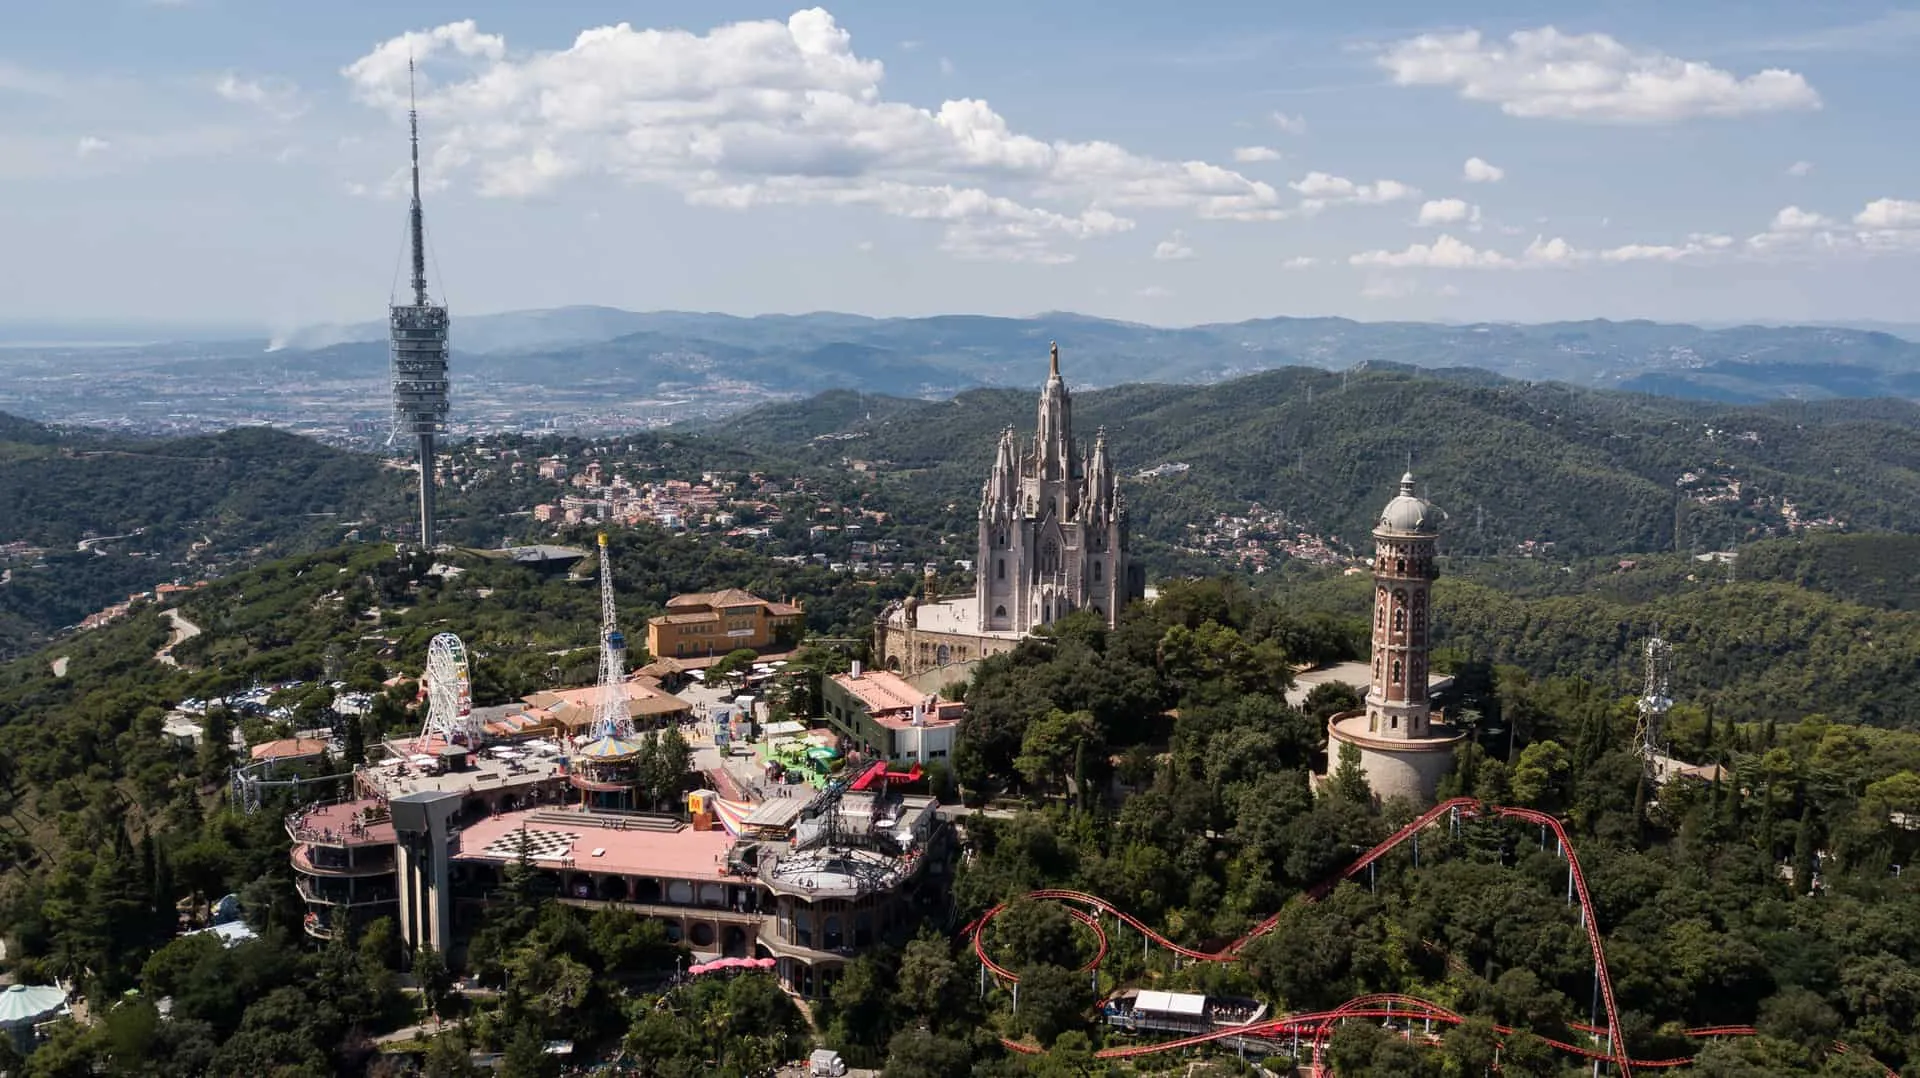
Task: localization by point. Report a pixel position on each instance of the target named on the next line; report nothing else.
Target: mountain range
(937, 356)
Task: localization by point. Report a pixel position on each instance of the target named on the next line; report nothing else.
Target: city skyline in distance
(760, 159)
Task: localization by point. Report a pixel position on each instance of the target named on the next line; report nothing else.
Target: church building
(1052, 540)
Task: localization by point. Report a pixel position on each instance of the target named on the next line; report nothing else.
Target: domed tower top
(1407, 514)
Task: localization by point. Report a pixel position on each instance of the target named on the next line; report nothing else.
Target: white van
(826, 1063)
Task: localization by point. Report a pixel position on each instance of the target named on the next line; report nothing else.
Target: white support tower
(449, 693)
(1655, 698)
(610, 715)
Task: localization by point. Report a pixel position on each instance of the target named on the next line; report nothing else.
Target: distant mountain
(1592, 472)
(940, 355)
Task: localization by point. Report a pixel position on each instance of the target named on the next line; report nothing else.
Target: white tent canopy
(1184, 1004)
(23, 1004)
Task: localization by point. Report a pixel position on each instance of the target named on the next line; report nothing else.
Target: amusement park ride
(603, 768)
(449, 694)
(1316, 1029)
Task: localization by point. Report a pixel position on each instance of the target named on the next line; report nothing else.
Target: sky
(243, 161)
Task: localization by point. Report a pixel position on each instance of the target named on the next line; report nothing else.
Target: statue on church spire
(1053, 352)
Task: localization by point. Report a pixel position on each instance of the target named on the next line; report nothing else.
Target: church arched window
(1396, 671)
(1096, 572)
(999, 611)
(1000, 569)
(1399, 621)
(1050, 557)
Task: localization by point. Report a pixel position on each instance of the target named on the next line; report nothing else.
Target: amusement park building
(886, 718)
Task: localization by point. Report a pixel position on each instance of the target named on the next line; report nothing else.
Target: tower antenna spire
(417, 219)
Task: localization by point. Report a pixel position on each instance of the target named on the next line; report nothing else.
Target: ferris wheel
(449, 692)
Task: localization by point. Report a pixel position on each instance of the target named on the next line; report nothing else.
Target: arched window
(1096, 572)
(1396, 671)
(1000, 569)
(1400, 566)
(1050, 557)
(999, 611)
(942, 655)
(1399, 620)
(1046, 611)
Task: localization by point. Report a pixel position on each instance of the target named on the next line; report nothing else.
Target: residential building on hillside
(716, 622)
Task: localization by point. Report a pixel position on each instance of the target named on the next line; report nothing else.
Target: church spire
(1053, 436)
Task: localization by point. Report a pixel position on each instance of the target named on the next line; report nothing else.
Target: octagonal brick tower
(1403, 575)
(1403, 751)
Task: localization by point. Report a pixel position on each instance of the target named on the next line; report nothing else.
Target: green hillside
(1592, 472)
(179, 509)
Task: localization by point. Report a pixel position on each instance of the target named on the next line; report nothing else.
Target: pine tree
(1803, 854)
(1349, 779)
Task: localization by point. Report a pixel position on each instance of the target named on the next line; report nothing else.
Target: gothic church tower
(1053, 528)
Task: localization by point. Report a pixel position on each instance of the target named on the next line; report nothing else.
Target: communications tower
(419, 346)
(1655, 699)
(604, 767)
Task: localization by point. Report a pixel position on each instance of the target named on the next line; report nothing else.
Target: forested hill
(1590, 471)
(150, 512)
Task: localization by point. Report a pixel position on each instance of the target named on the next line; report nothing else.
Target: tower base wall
(1395, 767)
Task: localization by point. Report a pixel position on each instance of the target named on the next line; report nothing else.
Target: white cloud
(1545, 73)
(1447, 211)
(276, 97)
(1795, 219)
(1889, 213)
(776, 113)
(1250, 154)
(946, 66)
(1173, 249)
(1799, 168)
(90, 145)
(1477, 170)
(1300, 262)
(1292, 125)
(1443, 253)
(1153, 291)
(1320, 189)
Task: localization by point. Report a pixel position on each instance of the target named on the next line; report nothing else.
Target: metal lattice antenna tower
(610, 715)
(1656, 696)
(419, 346)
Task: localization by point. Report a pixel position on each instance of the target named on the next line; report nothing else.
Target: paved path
(182, 630)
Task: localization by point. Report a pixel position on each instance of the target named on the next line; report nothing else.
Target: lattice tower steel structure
(610, 715)
(1655, 698)
(449, 693)
(419, 346)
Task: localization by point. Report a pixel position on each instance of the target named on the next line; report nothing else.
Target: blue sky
(237, 160)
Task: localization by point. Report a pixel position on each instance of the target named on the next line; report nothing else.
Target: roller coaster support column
(1416, 849)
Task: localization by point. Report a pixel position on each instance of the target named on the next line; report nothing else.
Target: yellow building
(714, 623)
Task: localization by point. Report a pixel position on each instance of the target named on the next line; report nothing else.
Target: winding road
(182, 630)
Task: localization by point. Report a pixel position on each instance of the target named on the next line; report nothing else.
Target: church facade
(1053, 539)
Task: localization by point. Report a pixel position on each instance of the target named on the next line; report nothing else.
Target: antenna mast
(1655, 698)
(416, 220)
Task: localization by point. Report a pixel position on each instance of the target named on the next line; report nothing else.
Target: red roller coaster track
(1317, 1028)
